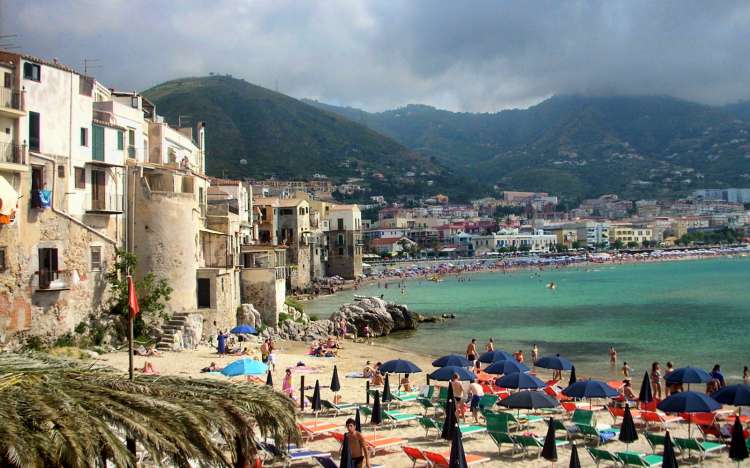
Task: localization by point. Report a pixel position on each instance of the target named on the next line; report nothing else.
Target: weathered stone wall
(261, 288)
(344, 254)
(303, 263)
(224, 299)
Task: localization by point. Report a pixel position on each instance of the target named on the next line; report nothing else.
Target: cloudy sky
(459, 55)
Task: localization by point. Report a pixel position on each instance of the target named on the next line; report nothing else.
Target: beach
(352, 358)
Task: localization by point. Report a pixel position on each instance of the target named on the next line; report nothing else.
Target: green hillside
(255, 132)
(577, 146)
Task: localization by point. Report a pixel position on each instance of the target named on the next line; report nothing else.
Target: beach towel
(355, 375)
(604, 436)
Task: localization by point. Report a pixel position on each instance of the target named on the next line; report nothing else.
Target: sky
(472, 56)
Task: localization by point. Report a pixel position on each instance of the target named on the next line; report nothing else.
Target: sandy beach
(352, 358)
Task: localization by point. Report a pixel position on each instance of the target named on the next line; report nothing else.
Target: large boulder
(247, 314)
(382, 317)
(192, 331)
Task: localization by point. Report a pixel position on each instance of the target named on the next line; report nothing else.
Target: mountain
(582, 146)
(256, 132)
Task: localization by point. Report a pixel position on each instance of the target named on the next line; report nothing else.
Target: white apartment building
(536, 242)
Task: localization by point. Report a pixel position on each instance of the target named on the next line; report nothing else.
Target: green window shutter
(98, 143)
(120, 140)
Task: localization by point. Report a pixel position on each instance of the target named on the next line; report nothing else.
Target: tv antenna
(89, 64)
(8, 45)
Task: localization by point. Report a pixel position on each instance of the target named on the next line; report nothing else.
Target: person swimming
(551, 285)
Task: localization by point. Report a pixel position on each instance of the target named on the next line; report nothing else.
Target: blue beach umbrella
(444, 374)
(506, 367)
(245, 367)
(688, 402)
(556, 362)
(399, 366)
(529, 399)
(496, 355)
(590, 389)
(688, 375)
(520, 380)
(243, 330)
(735, 395)
(452, 360)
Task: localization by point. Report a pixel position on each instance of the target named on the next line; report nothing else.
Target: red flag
(132, 298)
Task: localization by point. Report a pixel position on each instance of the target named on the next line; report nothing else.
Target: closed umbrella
(549, 450)
(458, 456)
(669, 459)
(376, 417)
(505, 367)
(496, 355)
(520, 380)
(572, 376)
(645, 395)
(315, 403)
(575, 462)
(335, 384)
(346, 453)
(452, 360)
(357, 421)
(444, 374)
(556, 362)
(628, 434)
(269, 379)
(449, 425)
(387, 390)
(738, 446)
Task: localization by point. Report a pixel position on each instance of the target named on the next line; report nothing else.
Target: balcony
(109, 204)
(11, 103)
(51, 280)
(11, 153)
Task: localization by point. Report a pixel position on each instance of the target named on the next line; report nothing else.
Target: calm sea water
(690, 312)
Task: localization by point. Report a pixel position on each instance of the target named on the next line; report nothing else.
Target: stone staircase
(169, 329)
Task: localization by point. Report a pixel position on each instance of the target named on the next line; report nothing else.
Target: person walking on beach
(612, 356)
(475, 395)
(471, 350)
(656, 380)
(458, 396)
(357, 445)
(367, 332)
(490, 345)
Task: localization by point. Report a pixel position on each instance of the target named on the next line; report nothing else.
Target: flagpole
(130, 344)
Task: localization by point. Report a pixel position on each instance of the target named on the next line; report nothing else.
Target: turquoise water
(690, 312)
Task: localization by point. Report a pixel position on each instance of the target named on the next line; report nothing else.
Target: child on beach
(286, 385)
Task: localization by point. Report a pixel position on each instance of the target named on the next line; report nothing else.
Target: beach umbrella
(245, 366)
(669, 460)
(376, 417)
(590, 389)
(556, 362)
(357, 421)
(458, 456)
(269, 379)
(628, 433)
(400, 366)
(688, 402)
(645, 395)
(452, 360)
(735, 395)
(688, 375)
(520, 380)
(387, 390)
(335, 384)
(315, 402)
(449, 425)
(572, 376)
(243, 330)
(549, 450)
(738, 446)
(529, 399)
(346, 454)
(444, 374)
(575, 462)
(506, 367)
(496, 355)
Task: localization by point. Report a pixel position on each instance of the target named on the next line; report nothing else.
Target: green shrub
(314, 318)
(65, 341)
(295, 304)
(81, 328)
(34, 343)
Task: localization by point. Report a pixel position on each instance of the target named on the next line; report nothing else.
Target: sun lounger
(660, 419)
(619, 412)
(405, 397)
(526, 442)
(466, 429)
(337, 408)
(439, 459)
(582, 416)
(415, 455)
(520, 421)
(293, 453)
(488, 401)
(600, 435)
(654, 440)
(639, 459)
(312, 429)
(395, 416)
(600, 455)
(428, 405)
(502, 438)
(327, 462)
(703, 447)
(383, 443)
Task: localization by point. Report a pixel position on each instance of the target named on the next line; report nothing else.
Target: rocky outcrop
(382, 317)
(247, 314)
(296, 331)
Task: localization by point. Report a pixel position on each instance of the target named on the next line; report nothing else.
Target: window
(120, 140)
(47, 267)
(98, 190)
(61, 171)
(80, 178)
(32, 71)
(34, 136)
(84, 136)
(96, 258)
(7, 80)
(341, 251)
(3, 264)
(341, 224)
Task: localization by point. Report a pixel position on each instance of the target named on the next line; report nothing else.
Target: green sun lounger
(527, 442)
(466, 429)
(496, 422)
(600, 455)
(639, 459)
(488, 401)
(405, 397)
(502, 438)
(581, 416)
(395, 416)
(599, 435)
(520, 421)
(337, 408)
(654, 440)
(428, 405)
(703, 447)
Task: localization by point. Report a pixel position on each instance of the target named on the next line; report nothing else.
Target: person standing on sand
(286, 385)
(490, 346)
(458, 396)
(534, 354)
(475, 395)
(471, 350)
(357, 445)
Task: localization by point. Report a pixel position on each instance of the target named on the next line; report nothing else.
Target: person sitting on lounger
(377, 379)
(357, 445)
(405, 384)
(628, 393)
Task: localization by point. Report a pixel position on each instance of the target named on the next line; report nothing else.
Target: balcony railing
(12, 153)
(108, 204)
(11, 99)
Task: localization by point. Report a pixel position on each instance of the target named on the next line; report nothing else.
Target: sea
(690, 312)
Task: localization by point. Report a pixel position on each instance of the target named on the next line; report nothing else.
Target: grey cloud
(470, 56)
